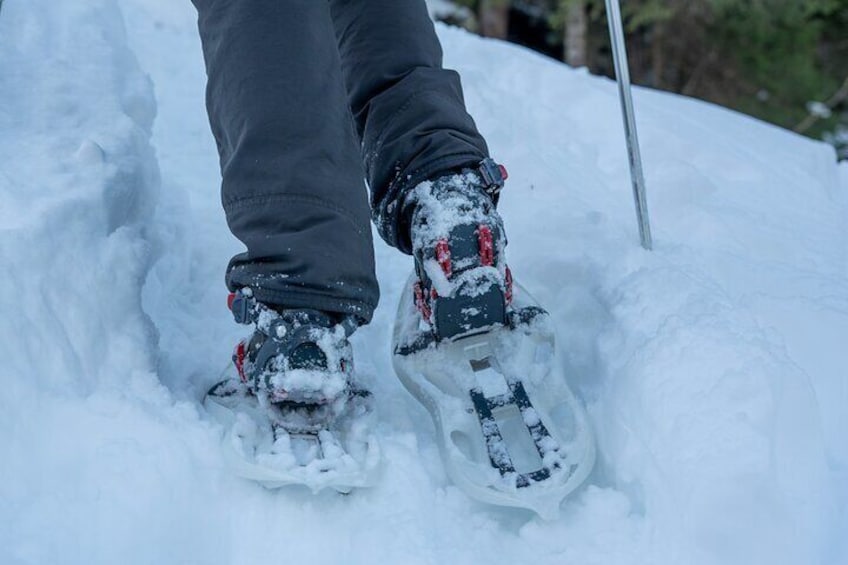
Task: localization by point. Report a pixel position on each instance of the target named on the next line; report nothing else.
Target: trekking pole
(622, 74)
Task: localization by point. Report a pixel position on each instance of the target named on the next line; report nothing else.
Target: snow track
(714, 368)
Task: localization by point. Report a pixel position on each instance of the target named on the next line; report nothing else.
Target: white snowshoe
(481, 356)
(291, 412)
(341, 456)
(509, 429)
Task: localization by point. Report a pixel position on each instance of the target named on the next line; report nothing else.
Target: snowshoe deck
(509, 429)
(343, 456)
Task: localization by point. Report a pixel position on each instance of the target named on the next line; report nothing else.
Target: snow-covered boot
(463, 284)
(480, 354)
(303, 415)
(298, 362)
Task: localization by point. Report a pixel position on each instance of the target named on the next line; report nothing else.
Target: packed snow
(713, 368)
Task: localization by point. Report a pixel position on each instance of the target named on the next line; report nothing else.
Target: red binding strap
(487, 246)
(238, 360)
(504, 173)
(443, 256)
(421, 303)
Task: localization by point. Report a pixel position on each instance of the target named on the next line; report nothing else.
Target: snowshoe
(290, 406)
(480, 354)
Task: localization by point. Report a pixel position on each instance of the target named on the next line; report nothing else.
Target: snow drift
(714, 368)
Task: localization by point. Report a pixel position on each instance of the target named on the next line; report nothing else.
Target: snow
(713, 368)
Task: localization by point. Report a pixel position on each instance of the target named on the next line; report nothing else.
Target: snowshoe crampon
(339, 453)
(509, 429)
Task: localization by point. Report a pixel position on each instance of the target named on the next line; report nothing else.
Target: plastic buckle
(242, 307)
(494, 176)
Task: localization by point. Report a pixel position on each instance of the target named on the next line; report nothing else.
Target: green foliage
(777, 46)
(647, 13)
(768, 58)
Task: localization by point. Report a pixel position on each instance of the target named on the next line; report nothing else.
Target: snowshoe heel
(462, 315)
(458, 241)
(476, 299)
(460, 290)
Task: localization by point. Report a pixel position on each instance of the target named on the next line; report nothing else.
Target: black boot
(464, 285)
(298, 362)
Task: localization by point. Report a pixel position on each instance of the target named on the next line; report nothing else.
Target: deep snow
(714, 368)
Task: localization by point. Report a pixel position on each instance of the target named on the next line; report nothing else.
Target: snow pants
(307, 99)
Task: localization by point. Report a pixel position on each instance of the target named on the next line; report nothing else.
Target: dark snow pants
(307, 99)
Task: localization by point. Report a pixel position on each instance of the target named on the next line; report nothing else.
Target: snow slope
(714, 367)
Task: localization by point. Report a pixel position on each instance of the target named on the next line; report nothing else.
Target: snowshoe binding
(293, 411)
(479, 353)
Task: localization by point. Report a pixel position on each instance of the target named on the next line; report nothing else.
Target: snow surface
(714, 368)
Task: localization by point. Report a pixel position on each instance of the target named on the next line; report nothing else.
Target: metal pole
(622, 73)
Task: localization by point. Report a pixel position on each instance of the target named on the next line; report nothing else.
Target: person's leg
(433, 187)
(293, 186)
(409, 111)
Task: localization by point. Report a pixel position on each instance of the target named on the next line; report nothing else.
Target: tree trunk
(576, 24)
(494, 18)
(658, 51)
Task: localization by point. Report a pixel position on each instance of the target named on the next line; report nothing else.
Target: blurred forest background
(784, 61)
